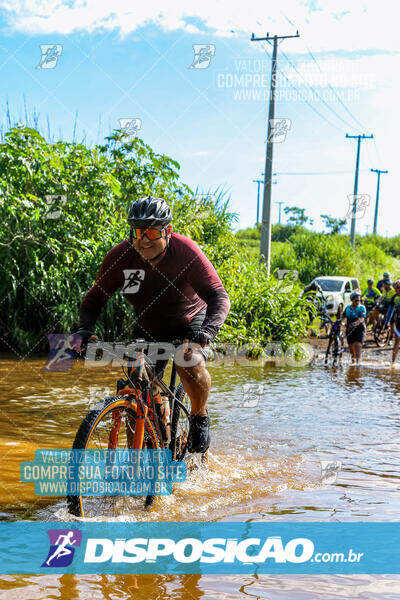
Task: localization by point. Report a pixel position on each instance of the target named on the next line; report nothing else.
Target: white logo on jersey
(133, 278)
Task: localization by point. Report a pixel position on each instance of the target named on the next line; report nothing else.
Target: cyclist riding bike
(380, 283)
(176, 294)
(393, 316)
(371, 296)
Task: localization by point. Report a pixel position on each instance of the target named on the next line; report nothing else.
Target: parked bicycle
(145, 413)
(335, 343)
(319, 311)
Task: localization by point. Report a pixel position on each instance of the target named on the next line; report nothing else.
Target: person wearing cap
(393, 317)
(371, 295)
(384, 302)
(354, 315)
(380, 283)
(176, 294)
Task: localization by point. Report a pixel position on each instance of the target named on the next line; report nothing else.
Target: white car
(337, 291)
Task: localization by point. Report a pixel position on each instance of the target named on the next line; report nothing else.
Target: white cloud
(323, 24)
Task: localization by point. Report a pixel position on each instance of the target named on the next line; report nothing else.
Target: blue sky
(122, 61)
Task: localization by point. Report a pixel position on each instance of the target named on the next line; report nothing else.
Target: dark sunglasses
(151, 233)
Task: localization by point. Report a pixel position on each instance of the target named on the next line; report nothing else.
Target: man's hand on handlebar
(87, 336)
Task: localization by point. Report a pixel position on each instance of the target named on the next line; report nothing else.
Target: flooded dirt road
(264, 464)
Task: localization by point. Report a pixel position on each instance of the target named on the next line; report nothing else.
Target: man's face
(387, 287)
(370, 285)
(151, 248)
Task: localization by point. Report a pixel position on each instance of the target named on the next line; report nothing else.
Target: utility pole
(354, 210)
(265, 245)
(258, 182)
(377, 197)
(280, 205)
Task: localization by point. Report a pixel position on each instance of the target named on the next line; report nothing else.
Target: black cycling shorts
(357, 334)
(179, 334)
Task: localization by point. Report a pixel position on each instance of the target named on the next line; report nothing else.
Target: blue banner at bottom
(189, 548)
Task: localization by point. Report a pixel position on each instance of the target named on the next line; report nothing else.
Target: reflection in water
(265, 464)
(194, 587)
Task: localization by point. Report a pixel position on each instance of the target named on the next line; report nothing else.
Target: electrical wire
(306, 101)
(315, 91)
(317, 172)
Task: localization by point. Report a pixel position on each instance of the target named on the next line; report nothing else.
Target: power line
(379, 172)
(306, 101)
(334, 91)
(265, 242)
(329, 85)
(354, 208)
(317, 172)
(359, 124)
(315, 91)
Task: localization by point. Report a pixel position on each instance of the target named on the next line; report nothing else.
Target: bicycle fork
(135, 442)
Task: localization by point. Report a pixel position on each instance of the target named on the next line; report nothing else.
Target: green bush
(316, 254)
(48, 263)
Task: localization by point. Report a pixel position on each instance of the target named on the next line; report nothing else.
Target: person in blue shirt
(354, 315)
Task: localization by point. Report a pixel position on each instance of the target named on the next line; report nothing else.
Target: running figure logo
(62, 547)
(50, 55)
(330, 470)
(278, 130)
(61, 355)
(130, 127)
(203, 54)
(133, 279)
(359, 203)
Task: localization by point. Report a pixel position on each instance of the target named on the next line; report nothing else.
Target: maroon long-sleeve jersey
(165, 297)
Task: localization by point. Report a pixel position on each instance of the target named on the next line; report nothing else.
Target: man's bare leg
(395, 348)
(196, 381)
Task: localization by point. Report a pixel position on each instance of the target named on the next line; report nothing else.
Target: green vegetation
(316, 254)
(50, 250)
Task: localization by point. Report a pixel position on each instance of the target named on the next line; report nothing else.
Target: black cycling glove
(201, 336)
(85, 335)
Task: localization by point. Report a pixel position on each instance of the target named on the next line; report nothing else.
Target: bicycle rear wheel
(95, 432)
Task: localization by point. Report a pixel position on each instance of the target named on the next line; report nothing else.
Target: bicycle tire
(76, 504)
(335, 351)
(179, 432)
(381, 335)
(328, 349)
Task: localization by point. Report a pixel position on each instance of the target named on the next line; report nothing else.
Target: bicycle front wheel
(111, 424)
(381, 335)
(180, 424)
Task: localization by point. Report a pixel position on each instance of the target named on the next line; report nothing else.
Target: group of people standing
(384, 299)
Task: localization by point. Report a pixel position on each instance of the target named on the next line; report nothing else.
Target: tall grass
(48, 264)
(316, 254)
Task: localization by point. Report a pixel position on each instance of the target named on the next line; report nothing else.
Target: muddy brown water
(264, 465)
